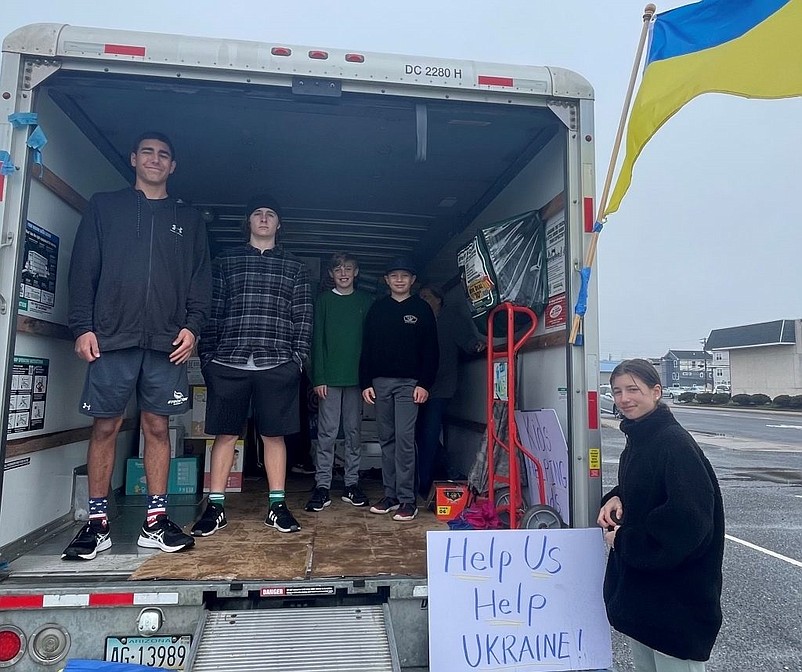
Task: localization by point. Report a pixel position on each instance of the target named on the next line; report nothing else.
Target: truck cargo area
(341, 542)
(367, 156)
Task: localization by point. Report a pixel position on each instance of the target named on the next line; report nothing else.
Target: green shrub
(685, 397)
(760, 399)
(719, 399)
(742, 400)
(704, 397)
(796, 401)
(782, 401)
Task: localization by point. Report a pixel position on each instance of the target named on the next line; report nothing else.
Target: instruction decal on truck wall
(37, 291)
(556, 314)
(28, 393)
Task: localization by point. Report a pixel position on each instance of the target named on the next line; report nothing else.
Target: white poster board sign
(541, 434)
(518, 600)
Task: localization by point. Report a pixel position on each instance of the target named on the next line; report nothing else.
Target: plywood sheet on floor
(342, 540)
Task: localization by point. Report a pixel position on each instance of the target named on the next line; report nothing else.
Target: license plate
(169, 653)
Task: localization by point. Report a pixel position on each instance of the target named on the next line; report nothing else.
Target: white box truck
(374, 153)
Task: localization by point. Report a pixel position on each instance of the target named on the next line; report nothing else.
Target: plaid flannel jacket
(261, 306)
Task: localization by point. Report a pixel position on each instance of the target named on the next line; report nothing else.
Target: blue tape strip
(36, 142)
(20, 119)
(582, 300)
(597, 227)
(8, 166)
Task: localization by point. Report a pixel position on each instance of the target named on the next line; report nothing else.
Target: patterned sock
(218, 498)
(98, 507)
(157, 506)
(276, 496)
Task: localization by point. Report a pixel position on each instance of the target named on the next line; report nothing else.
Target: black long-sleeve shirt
(139, 272)
(399, 340)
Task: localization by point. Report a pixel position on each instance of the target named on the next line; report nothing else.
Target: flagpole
(648, 14)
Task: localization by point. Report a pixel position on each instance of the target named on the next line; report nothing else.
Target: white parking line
(791, 561)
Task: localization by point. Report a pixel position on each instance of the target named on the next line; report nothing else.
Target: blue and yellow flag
(749, 48)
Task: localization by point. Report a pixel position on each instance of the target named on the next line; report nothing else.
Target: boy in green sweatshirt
(336, 348)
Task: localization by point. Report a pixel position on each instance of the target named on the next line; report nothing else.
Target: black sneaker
(279, 516)
(93, 538)
(213, 519)
(165, 535)
(385, 505)
(353, 494)
(319, 500)
(406, 512)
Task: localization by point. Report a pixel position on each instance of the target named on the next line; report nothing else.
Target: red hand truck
(508, 498)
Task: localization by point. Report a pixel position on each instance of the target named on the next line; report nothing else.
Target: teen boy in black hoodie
(139, 294)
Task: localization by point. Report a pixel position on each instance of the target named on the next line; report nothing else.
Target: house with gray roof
(764, 358)
(686, 368)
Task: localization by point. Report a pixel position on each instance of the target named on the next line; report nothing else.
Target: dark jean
(431, 453)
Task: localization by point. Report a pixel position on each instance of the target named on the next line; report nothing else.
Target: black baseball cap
(401, 264)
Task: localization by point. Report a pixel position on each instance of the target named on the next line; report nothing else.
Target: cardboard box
(450, 498)
(194, 375)
(234, 483)
(176, 442)
(183, 478)
(198, 421)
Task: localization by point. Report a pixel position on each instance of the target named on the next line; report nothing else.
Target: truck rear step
(351, 639)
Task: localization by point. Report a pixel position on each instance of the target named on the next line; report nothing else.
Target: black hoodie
(663, 581)
(140, 272)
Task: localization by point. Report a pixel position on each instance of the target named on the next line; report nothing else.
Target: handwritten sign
(541, 435)
(518, 600)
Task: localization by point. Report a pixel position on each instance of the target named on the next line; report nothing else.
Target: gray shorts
(161, 386)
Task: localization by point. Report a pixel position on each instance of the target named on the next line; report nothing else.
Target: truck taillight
(354, 58)
(319, 55)
(281, 51)
(12, 645)
(49, 644)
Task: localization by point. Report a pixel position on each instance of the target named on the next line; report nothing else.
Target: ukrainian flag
(749, 48)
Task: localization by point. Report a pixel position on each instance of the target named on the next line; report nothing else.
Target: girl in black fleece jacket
(664, 524)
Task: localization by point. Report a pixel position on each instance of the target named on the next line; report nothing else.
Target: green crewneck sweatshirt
(337, 337)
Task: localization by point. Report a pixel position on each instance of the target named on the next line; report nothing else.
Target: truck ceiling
(381, 159)
(348, 171)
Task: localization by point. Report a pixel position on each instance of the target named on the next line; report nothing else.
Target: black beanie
(262, 201)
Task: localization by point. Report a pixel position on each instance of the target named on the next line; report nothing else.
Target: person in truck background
(139, 295)
(253, 351)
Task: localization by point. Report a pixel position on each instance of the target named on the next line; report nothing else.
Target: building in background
(721, 368)
(763, 358)
(686, 368)
(606, 367)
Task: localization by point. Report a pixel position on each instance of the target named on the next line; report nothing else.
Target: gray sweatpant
(345, 402)
(396, 413)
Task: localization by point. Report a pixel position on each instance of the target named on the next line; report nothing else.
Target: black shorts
(161, 386)
(274, 393)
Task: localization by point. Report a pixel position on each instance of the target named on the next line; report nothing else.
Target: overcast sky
(709, 235)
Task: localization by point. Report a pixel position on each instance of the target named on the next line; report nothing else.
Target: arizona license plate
(169, 653)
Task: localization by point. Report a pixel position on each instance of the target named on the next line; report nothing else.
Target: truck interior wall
(71, 156)
(541, 180)
(542, 373)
